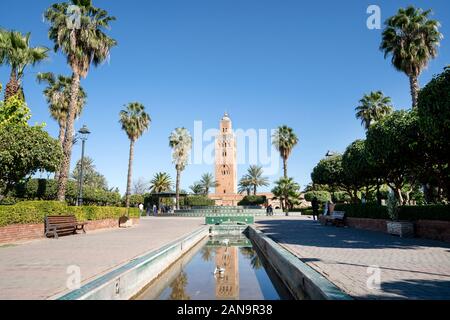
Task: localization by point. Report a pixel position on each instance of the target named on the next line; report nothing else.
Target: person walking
(155, 210)
(315, 208)
(141, 209)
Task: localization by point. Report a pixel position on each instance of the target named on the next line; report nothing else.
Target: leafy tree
(284, 140)
(358, 171)
(322, 196)
(15, 51)
(255, 178)
(412, 39)
(394, 145)
(329, 172)
(135, 121)
(57, 94)
(83, 45)
(372, 108)
(14, 111)
(207, 182)
(161, 182)
(434, 119)
(24, 151)
(91, 177)
(180, 141)
(288, 191)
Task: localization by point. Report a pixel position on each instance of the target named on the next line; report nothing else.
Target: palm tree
(207, 182)
(244, 186)
(372, 108)
(180, 141)
(15, 51)
(161, 182)
(412, 39)
(83, 44)
(57, 94)
(287, 190)
(255, 178)
(135, 121)
(197, 188)
(284, 139)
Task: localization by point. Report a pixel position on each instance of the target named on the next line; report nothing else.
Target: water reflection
(224, 268)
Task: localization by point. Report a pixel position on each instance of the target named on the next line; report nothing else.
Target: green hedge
(372, 211)
(197, 201)
(429, 212)
(411, 213)
(253, 201)
(42, 189)
(29, 212)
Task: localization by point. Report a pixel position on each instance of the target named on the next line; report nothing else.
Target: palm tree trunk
(177, 188)
(414, 85)
(254, 190)
(130, 173)
(61, 136)
(68, 139)
(285, 167)
(13, 86)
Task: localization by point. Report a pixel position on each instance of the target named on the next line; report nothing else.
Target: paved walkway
(410, 268)
(37, 270)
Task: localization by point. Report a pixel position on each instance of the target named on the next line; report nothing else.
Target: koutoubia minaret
(225, 157)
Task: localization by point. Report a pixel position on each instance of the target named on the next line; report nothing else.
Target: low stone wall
(426, 229)
(25, 232)
(435, 230)
(367, 224)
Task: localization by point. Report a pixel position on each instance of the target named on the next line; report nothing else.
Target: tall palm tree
(161, 182)
(244, 186)
(412, 39)
(372, 108)
(180, 141)
(83, 43)
(135, 121)
(15, 51)
(284, 139)
(255, 178)
(197, 188)
(207, 182)
(57, 94)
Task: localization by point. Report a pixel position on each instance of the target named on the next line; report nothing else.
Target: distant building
(226, 193)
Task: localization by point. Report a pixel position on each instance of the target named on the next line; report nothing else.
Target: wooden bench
(62, 225)
(337, 218)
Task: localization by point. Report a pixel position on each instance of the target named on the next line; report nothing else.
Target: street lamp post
(84, 133)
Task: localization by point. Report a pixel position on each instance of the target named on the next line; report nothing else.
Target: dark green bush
(29, 212)
(253, 201)
(322, 196)
(197, 201)
(429, 212)
(372, 211)
(411, 213)
(42, 189)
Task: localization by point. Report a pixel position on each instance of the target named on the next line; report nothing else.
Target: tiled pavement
(410, 268)
(38, 270)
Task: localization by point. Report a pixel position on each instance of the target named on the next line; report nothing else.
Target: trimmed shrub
(34, 212)
(42, 189)
(371, 211)
(430, 212)
(409, 213)
(198, 201)
(253, 201)
(322, 196)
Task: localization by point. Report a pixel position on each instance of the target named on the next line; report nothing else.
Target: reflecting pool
(218, 268)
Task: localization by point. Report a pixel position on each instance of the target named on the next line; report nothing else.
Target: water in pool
(218, 268)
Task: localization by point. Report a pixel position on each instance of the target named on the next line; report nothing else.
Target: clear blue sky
(300, 63)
